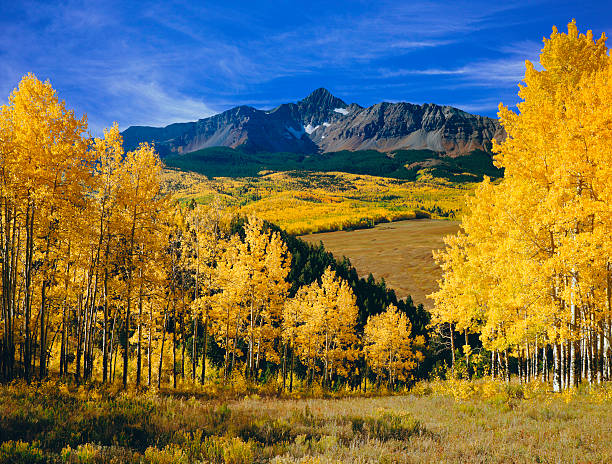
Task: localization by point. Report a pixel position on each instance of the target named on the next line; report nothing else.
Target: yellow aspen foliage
(389, 350)
(253, 276)
(320, 324)
(531, 267)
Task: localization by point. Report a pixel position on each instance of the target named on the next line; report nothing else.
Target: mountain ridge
(322, 123)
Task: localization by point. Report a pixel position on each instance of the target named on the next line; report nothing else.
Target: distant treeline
(401, 164)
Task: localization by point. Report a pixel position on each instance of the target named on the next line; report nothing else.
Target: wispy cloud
(478, 106)
(179, 60)
(386, 73)
(509, 68)
(152, 105)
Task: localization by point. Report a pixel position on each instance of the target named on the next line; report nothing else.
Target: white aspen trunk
(556, 368)
(161, 350)
(452, 340)
(600, 351)
(507, 366)
(564, 366)
(536, 367)
(544, 365)
(149, 352)
(583, 344)
(591, 358)
(606, 368)
(572, 344)
(528, 363)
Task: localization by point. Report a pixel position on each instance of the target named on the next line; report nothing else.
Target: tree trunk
(139, 345)
(292, 366)
(556, 368)
(105, 347)
(194, 351)
(284, 365)
(452, 340)
(205, 348)
(161, 351)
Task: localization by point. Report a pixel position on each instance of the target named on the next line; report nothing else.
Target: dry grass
(399, 252)
(454, 421)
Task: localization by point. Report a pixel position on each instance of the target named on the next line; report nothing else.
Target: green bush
(19, 452)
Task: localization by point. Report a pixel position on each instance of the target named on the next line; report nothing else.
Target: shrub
(19, 452)
(387, 426)
(267, 431)
(237, 452)
(96, 454)
(171, 454)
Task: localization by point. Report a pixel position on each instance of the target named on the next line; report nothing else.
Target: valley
(398, 252)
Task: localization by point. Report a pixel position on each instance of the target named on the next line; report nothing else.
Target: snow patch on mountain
(309, 129)
(343, 111)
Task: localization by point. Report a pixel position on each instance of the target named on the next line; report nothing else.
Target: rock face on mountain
(324, 123)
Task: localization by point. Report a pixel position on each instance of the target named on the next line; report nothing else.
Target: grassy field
(456, 422)
(399, 252)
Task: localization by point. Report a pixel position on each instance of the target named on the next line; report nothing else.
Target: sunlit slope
(304, 202)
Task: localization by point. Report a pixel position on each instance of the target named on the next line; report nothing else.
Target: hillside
(308, 202)
(322, 123)
(401, 164)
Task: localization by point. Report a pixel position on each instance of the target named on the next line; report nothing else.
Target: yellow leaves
(320, 205)
(388, 346)
(47, 148)
(320, 321)
(548, 222)
(251, 277)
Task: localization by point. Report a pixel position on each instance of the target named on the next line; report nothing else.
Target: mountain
(322, 122)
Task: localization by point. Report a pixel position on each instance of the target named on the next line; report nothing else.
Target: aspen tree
(208, 239)
(324, 331)
(261, 264)
(45, 166)
(139, 200)
(388, 346)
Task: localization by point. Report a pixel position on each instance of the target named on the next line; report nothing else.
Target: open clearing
(76, 426)
(400, 252)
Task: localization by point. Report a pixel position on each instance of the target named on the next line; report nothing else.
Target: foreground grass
(458, 422)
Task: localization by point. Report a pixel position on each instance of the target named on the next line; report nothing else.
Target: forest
(100, 267)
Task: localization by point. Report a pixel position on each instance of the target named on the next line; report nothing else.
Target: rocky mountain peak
(322, 98)
(319, 107)
(322, 122)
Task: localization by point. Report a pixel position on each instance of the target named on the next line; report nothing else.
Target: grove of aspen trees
(105, 278)
(531, 270)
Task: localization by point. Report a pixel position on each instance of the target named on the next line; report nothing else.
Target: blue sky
(153, 63)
